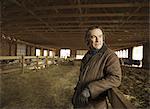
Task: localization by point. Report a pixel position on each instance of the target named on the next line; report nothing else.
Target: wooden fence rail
(14, 63)
(118, 100)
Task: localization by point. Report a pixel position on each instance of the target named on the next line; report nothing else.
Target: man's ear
(103, 37)
(88, 43)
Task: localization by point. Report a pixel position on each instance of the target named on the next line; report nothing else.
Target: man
(100, 70)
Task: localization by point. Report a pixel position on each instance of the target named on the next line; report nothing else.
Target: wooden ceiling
(62, 23)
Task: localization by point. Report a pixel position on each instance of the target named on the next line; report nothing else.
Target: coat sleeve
(111, 79)
(81, 68)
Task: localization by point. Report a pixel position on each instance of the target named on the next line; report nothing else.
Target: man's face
(96, 38)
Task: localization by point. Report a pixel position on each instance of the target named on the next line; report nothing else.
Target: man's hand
(83, 97)
(82, 100)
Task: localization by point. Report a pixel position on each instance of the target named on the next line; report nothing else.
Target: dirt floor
(52, 88)
(135, 86)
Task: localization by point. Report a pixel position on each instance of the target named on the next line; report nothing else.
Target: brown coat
(99, 74)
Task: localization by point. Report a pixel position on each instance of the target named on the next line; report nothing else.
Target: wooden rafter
(64, 23)
(33, 14)
(40, 17)
(115, 5)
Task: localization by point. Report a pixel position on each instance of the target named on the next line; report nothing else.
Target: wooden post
(46, 62)
(23, 61)
(0, 29)
(146, 58)
(118, 100)
(41, 52)
(10, 48)
(37, 63)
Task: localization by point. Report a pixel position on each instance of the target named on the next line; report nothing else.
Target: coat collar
(103, 49)
(99, 52)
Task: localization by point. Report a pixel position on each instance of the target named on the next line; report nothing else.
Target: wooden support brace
(37, 63)
(23, 62)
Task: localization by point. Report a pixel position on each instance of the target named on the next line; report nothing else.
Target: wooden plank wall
(8, 48)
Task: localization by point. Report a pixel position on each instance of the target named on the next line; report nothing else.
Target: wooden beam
(36, 31)
(15, 18)
(31, 44)
(73, 30)
(122, 31)
(9, 57)
(110, 5)
(129, 17)
(115, 5)
(0, 27)
(118, 100)
(79, 3)
(73, 22)
(77, 27)
(126, 44)
(32, 13)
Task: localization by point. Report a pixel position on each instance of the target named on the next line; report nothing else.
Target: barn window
(64, 53)
(38, 52)
(21, 49)
(137, 53)
(80, 54)
(51, 53)
(126, 53)
(45, 53)
(116, 52)
(122, 53)
(119, 53)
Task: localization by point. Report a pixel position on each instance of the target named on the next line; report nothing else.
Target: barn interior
(43, 41)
